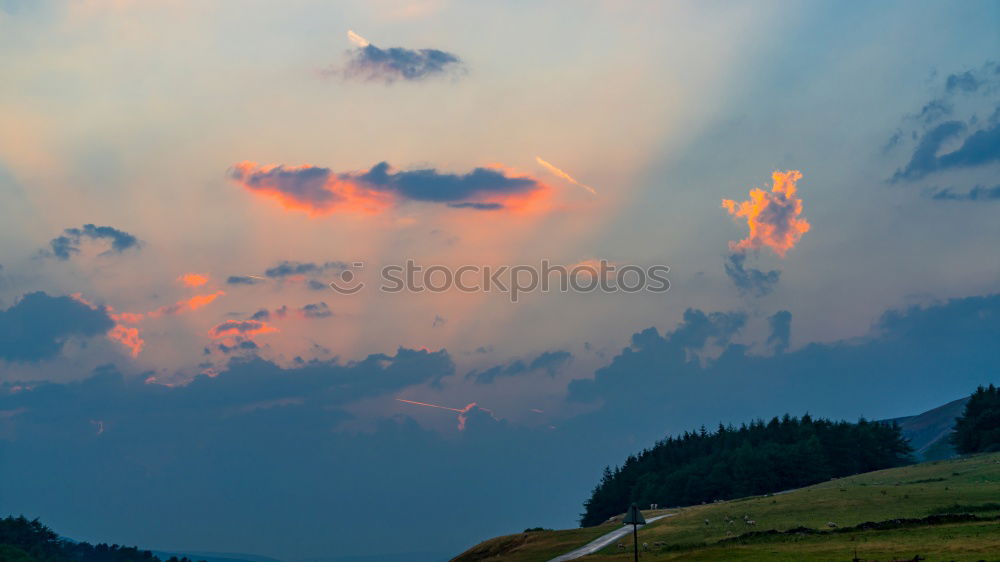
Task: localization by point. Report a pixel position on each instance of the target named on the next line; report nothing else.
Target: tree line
(24, 540)
(978, 429)
(756, 458)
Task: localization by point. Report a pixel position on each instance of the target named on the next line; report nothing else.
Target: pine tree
(978, 429)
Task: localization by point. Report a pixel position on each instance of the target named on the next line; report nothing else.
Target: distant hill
(212, 556)
(930, 431)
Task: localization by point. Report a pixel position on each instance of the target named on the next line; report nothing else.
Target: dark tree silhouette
(23, 540)
(755, 459)
(978, 429)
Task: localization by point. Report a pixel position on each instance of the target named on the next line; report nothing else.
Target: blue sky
(180, 181)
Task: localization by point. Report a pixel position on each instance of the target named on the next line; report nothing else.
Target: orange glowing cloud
(120, 332)
(127, 336)
(774, 217)
(126, 330)
(193, 279)
(241, 328)
(193, 303)
(319, 191)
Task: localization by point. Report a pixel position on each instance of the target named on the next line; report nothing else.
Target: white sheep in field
(751, 522)
(645, 546)
(831, 524)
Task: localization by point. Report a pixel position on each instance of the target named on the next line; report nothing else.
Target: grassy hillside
(969, 485)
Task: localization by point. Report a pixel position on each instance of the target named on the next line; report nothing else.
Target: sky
(181, 182)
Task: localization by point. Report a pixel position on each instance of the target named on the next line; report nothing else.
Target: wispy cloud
(561, 174)
(977, 193)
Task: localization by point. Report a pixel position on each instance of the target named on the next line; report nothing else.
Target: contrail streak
(564, 175)
(432, 405)
(357, 39)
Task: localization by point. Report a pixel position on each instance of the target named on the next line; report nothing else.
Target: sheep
(831, 524)
(751, 522)
(645, 546)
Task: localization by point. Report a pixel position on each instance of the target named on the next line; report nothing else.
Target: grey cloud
(316, 310)
(68, 243)
(549, 362)
(978, 148)
(289, 268)
(750, 280)
(781, 331)
(396, 63)
(242, 280)
(38, 326)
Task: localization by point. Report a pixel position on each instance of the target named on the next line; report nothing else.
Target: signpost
(634, 517)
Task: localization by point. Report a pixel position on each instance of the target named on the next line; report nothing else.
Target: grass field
(954, 486)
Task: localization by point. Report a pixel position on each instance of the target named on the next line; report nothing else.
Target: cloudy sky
(181, 181)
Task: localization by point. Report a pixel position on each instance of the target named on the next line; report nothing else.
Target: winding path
(603, 541)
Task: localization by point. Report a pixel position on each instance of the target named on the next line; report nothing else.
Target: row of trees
(978, 430)
(24, 540)
(754, 459)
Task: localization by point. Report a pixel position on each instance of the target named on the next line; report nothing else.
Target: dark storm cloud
(921, 356)
(68, 243)
(750, 280)
(38, 326)
(372, 63)
(549, 362)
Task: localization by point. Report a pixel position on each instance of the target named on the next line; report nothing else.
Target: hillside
(756, 458)
(929, 432)
(922, 492)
